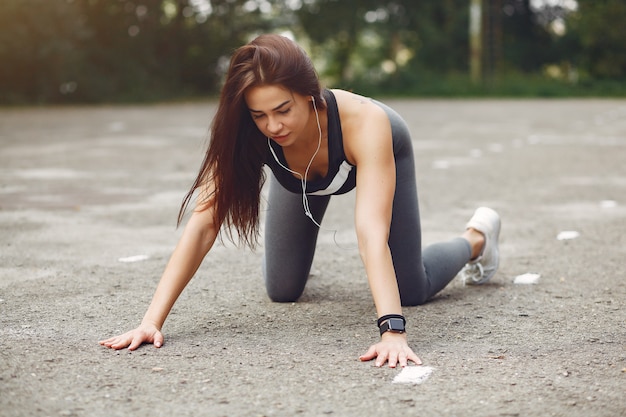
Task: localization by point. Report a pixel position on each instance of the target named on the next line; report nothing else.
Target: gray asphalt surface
(88, 202)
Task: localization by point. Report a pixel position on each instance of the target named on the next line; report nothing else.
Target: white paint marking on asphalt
(413, 375)
(527, 279)
(50, 174)
(608, 204)
(567, 235)
(136, 258)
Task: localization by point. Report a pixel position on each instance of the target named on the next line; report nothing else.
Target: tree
(598, 29)
(39, 49)
(527, 44)
(335, 26)
(388, 41)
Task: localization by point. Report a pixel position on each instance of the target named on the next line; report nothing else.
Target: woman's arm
(374, 199)
(370, 146)
(196, 241)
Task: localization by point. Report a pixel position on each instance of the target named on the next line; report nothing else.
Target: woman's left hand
(392, 348)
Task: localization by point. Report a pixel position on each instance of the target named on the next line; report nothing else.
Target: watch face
(396, 325)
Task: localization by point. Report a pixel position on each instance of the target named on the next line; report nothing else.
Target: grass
(511, 86)
(422, 85)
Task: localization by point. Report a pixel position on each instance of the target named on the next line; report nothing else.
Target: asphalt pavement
(88, 204)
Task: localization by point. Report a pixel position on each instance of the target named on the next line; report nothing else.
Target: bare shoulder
(361, 120)
(355, 106)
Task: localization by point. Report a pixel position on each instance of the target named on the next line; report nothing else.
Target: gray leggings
(290, 237)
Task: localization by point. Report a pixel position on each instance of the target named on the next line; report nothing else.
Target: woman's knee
(284, 292)
(415, 299)
(283, 287)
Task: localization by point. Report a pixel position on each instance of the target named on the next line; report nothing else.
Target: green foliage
(527, 45)
(38, 48)
(130, 50)
(599, 29)
(116, 50)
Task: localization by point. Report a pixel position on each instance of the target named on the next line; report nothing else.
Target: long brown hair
(234, 160)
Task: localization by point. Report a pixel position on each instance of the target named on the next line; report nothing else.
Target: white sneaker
(481, 269)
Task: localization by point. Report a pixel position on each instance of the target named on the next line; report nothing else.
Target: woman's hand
(145, 333)
(392, 348)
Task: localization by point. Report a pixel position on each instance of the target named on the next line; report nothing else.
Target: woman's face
(279, 113)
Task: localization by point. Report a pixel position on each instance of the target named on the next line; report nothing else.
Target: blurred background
(91, 51)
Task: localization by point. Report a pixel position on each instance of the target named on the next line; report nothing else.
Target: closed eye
(261, 115)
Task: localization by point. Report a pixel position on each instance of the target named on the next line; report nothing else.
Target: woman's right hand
(145, 333)
(196, 241)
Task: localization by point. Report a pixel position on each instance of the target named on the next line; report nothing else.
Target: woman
(272, 111)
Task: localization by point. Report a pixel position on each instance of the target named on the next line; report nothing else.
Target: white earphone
(305, 200)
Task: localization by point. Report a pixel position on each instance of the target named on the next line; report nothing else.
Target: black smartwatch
(394, 325)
